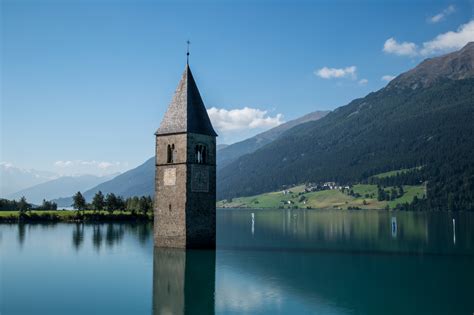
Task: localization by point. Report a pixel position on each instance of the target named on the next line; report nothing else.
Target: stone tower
(185, 179)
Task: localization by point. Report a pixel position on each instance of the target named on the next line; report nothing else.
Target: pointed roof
(186, 112)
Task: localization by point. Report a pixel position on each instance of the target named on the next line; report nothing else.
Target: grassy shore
(73, 216)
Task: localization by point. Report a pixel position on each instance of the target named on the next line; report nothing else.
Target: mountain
(135, 182)
(454, 66)
(221, 146)
(13, 179)
(422, 118)
(232, 152)
(59, 187)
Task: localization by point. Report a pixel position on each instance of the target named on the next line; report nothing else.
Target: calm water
(267, 262)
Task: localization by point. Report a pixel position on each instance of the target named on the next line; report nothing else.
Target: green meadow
(297, 198)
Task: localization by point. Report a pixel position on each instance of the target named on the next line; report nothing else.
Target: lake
(266, 262)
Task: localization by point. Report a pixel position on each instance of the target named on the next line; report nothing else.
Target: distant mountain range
(13, 179)
(424, 117)
(140, 181)
(63, 186)
(135, 182)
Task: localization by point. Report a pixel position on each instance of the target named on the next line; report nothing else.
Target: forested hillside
(232, 152)
(423, 118)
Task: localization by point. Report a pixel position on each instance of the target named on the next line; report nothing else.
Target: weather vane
(187, 53)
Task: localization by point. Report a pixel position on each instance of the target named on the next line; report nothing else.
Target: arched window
(204, 157)
(200, 153)
(170, 154)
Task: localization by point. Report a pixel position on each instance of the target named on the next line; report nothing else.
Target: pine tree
(98, 202)
(23, 205)
(79, 202)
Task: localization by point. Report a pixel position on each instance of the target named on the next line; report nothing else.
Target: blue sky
(84, 84)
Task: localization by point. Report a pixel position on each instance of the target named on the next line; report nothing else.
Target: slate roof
(186, 112)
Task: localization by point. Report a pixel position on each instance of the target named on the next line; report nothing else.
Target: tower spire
(187, 52)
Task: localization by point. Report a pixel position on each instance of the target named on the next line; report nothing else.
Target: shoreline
(90, 216)
(72, 216)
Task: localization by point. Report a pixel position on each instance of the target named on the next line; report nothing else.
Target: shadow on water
(183, 281)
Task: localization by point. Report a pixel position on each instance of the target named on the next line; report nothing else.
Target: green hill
(423, 117)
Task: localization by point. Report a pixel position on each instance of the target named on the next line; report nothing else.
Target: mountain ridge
(60, 187)
(231, 152)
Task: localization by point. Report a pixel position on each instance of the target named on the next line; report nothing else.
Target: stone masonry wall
(170, 200)
(185, 193)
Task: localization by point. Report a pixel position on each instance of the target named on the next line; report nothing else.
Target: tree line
(112, 202)
(23, 205)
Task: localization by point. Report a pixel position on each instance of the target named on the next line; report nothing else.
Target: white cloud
(442, 43)
(106, 165)
(242, 118)
(6, 164)
(330, 73)
(450, 41)
(77, 167)
(99, 164)
(442, 15)
(363, 81)
(391, 46)
(63, 164)
(388, 77)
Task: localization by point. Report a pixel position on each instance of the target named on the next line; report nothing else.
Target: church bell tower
(185, 178)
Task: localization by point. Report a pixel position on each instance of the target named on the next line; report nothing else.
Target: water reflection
(270, 282)
(97, 236)
(292, 262)
(21, 233)
(253, 223)
(183, 281)
(394, 227)
(355, 231)
(78, 236)
(454, 231)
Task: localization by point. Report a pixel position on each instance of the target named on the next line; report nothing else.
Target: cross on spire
(187, 53)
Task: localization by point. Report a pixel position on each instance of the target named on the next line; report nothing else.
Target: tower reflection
(183, 281)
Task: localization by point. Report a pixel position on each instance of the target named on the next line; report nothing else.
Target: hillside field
(324, 198)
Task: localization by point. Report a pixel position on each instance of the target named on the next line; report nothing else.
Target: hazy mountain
(13, 179)
(221, 146)
(135, 182)
(423, 117)
(232, 152)
(60, 187)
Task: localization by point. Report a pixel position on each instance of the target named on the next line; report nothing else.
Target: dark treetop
(186, 112)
